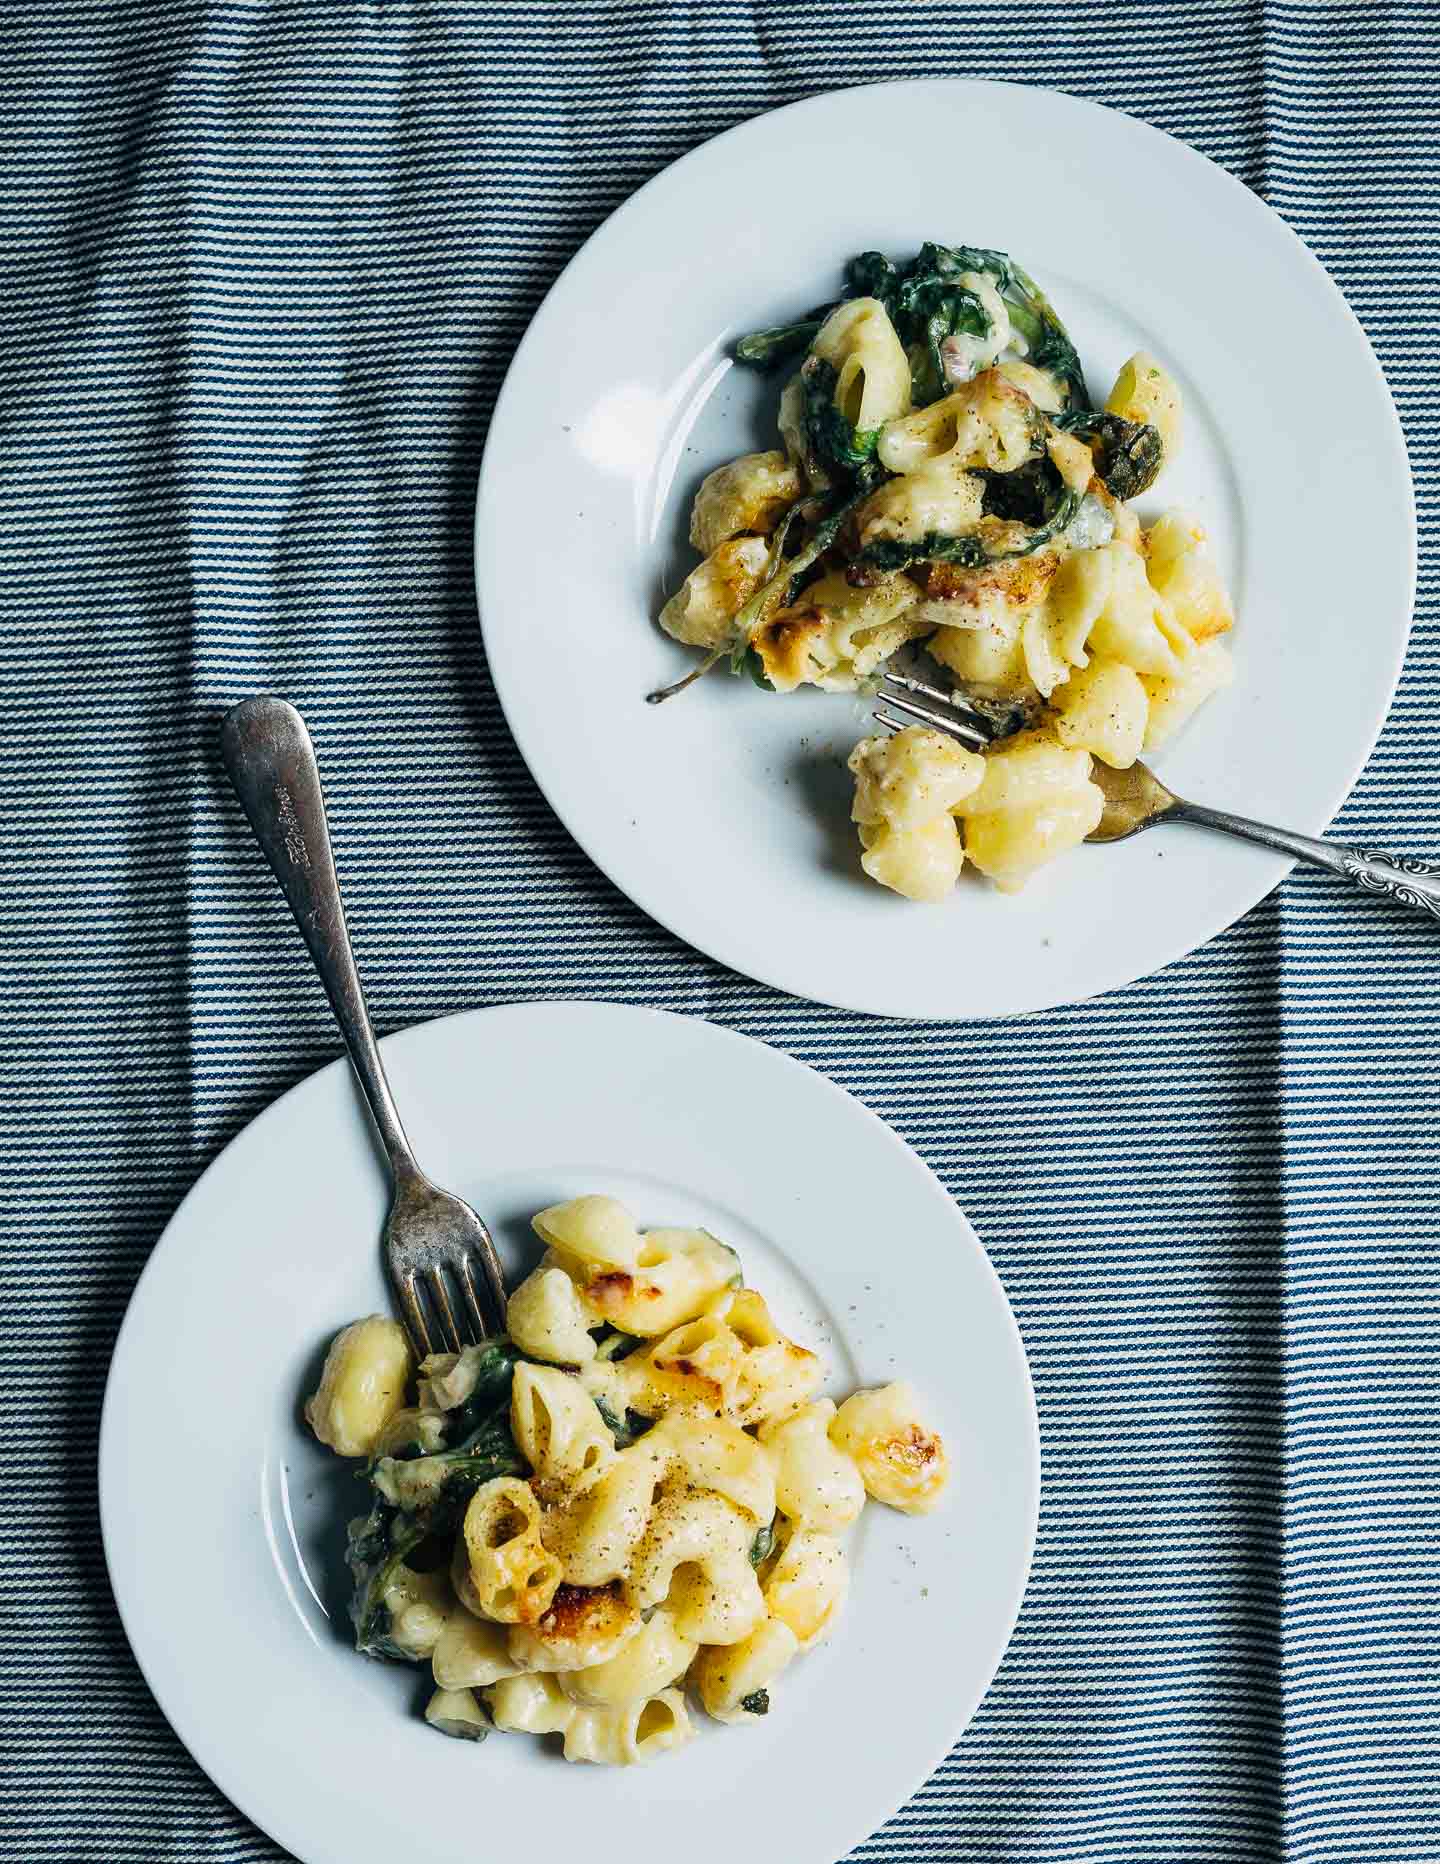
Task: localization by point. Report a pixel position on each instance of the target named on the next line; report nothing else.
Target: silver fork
(431, 1237)
(1136, 799)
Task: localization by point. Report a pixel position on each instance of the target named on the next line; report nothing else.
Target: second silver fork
(440, 1256)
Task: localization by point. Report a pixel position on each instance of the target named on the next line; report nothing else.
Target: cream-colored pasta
(990, 424)
(909, 779)
(806, 1582)
(1135, 626)
(545, 1318)
(714, 1455)
(650, 1662)
(594, 1535)
(922, 863)
(872, 371)
(362, 1385)
(1144, 391)
(1038, 384)
(702, 611)
(675, 1273)
(1103, 708)
(775, 1375)
(726, 1676)
(471, 1652)
(588, 1233)
(695, 1556)
(631, 1734)
(1054, 633)
(731, 1361)
(940, 495)
(750, 494)
(901, 1460)
(531, 1703)
(419, 1606)
(456, 1712)
(1180, 567)
(579, 1597)
(582, 1626)
(816, 1483)
(1172, 702)
(514, 1576)
(1036, 801)
(987, 655)
(557, 1428)
(837, 634)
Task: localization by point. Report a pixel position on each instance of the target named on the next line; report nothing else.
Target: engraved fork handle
(272, 764)
(1399, 877)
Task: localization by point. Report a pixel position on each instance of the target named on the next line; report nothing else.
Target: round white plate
(223, 1520)
(725, 812)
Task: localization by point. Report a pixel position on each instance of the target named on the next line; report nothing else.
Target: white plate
(724, 813)
(223, 1520)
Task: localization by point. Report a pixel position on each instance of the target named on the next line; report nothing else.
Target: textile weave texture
(264, 264)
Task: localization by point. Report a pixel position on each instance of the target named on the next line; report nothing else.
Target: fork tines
(928, 705)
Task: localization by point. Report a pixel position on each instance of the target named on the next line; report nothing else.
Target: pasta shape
(590, 1233)
(1103, 708)
(718, 1457)
(419, 1607)
(731, 1361)
(594, 1535)
(1135, 625)
(901, 1460)
(362, 1385)
(675, 1274)
(750, 494)
(631, 1734)
(1036, 801)
(1173, 702)
(906, 789)
(513, 1575)
(816, 1483)
(725, 1677)
(655, 1658)
(872, 370)
(989, 425)
(1181, 569)
(545, 1318)
(702, 610)
(806, 1583)
(1054, 634)
(1144, 391)
(837, 634)
(695, 1556)
(941, 495)
(470, 1653)
(582, 1626)
(557, 1428)
(456, 1712)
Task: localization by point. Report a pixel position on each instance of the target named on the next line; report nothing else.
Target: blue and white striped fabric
(264, 263)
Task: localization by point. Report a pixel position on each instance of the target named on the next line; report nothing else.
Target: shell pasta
(592, 1529)
(947, 485)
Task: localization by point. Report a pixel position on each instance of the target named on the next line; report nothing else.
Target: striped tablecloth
(264, 263)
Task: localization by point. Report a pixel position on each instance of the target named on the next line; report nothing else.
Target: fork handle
(1400, 877)
(272, 764)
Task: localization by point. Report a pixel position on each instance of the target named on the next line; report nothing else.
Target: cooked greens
(1128, 454)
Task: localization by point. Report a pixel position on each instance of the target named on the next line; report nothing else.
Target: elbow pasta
(602, 1529)
(936, 492)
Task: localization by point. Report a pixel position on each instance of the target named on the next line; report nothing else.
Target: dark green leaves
(767, 349)
(763, 1545)
(831, 437)
(377, 1549)
(624, 1430)
(968, 550)
(1128, 454)
(757, 1702)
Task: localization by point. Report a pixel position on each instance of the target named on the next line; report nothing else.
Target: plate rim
(214, 1756)
(1269, 869)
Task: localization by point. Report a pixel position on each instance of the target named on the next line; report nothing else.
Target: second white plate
(224, 1521)
(724, 813)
